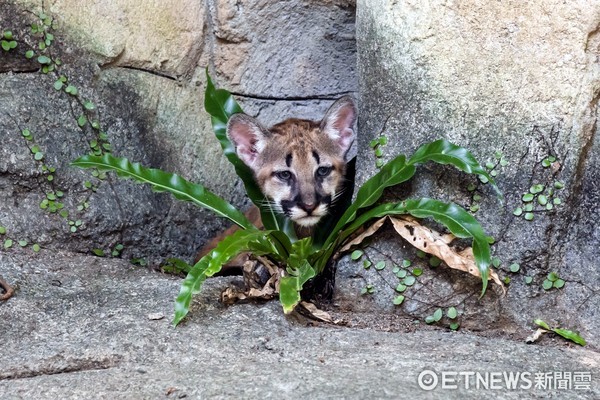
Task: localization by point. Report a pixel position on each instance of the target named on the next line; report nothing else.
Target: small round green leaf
(98, 252)
(452, 313)
(400, 288)
(518, 211)
(434, 261)
(547, 285)
(528, 280)
(559, 283)
(527, 197)
(398, 300)
(454, 326)
(356, 254)
(535, 189)
(72, 90)
(36, 247)
(44, 60)
(409, 280)
(514, 267)
(417, 271)
(529, 216)
(82, 120)
(380, 265)
(8, 243)
(552, 276)
(437, 315)
(2, 230)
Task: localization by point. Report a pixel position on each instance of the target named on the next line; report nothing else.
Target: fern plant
(307, 258)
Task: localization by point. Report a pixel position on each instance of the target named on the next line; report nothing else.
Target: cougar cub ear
(339, 121)
(248, 136)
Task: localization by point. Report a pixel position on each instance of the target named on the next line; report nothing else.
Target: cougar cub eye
(284, 175)
(323, 171)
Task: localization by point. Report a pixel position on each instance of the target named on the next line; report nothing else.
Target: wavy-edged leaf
(458, 221)
(291, 285)
(393, 173)
(445, 152)
(210, 264)
(570, 335)
(221, 105)
(566, 333)
(165, 182)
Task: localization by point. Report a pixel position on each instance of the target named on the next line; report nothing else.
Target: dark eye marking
(288, 160)
(322, 172)
(283, 175)
(316, 156)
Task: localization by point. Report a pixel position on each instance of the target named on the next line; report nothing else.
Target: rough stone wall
(143, 65)
(522, 78)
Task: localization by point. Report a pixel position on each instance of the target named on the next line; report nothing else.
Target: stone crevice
(63, 367)
(327, 96)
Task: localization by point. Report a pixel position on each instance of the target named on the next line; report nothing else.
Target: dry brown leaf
(315, 312)
(432, 242)
(365, 234)
(257, 286)
(535, 336)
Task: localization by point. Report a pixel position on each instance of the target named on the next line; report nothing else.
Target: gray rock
(81, 327)
(492, 78)
(148, 87)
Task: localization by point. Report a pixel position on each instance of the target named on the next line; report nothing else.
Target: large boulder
(143, 66)
(519, 78)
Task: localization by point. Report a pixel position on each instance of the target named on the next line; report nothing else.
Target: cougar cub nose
(308, 207)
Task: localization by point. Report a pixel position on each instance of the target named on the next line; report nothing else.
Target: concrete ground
(82, 327)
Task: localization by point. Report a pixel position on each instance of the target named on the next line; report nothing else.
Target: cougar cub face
(298, 164)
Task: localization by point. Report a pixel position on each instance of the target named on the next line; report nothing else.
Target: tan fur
(301, 148)
(298, 164)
